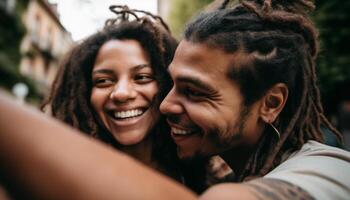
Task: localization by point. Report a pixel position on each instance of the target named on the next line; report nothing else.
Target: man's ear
(273, 102)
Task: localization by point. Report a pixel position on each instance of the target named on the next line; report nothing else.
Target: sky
(84, 17)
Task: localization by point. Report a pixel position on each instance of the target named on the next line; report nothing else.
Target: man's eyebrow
(110, 71)
(196, 82)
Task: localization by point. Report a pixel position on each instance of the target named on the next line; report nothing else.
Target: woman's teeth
(128, 114)
(180, 131)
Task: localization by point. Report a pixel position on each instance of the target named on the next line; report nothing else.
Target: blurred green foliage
(181, 11)
(333, 65)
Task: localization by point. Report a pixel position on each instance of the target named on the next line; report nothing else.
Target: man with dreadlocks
(244, 88)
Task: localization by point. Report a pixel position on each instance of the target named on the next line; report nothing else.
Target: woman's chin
(129, 138)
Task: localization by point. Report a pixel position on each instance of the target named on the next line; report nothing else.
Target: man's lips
(177, 130)
(184, 137)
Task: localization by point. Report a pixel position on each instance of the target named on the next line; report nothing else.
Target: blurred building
(44, 43)
(11, 34)
(8, 5)
(163, 8)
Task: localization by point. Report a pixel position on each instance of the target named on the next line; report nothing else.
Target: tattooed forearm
(274, 189)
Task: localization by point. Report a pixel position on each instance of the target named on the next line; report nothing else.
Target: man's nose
(123, 91)
(171, 104)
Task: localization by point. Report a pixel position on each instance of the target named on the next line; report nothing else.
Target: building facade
(44, 43)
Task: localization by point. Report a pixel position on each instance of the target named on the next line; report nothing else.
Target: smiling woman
(110, 86)
(123, 91)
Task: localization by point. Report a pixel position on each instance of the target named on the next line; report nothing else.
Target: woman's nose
(123, 91)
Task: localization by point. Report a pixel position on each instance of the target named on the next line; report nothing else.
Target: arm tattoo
(275, 189)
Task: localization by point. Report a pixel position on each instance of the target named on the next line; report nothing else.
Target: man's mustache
(176, 119)
(173, 119)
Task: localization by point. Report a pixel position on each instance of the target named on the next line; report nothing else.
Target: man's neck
(237, 158)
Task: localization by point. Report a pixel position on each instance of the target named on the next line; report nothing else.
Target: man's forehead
(193, 58)
(196, 50)
(199, 57)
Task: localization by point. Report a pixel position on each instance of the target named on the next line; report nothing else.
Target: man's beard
(194, 160)
(219, 142)
(226, 142)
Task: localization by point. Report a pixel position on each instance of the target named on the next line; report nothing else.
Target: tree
(11, 34)
(333, 65)
(182, 11)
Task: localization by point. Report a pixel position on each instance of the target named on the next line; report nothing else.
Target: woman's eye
(144, 78)
(102, 82)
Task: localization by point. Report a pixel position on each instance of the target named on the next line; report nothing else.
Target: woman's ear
(273, 102)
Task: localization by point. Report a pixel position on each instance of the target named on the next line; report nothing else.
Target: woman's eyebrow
(139, 67)
(103, 71)
(110, 71)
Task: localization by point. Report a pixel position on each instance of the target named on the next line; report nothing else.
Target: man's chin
(192, 158)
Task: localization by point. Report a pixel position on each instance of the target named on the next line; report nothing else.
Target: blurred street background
(35, 35)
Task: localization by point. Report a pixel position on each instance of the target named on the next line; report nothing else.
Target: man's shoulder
(258, 189)
(319, 169)
(313, 148)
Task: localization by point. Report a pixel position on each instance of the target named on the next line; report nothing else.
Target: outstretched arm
(48, 160)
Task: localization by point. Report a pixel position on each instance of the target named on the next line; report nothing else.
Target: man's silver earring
(275, 129)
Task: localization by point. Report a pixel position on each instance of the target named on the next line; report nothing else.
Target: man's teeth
(128, 114)
(180, 131)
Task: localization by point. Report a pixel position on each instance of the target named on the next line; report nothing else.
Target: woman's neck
(141, 151)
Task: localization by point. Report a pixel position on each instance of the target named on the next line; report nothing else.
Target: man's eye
(192, 93)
